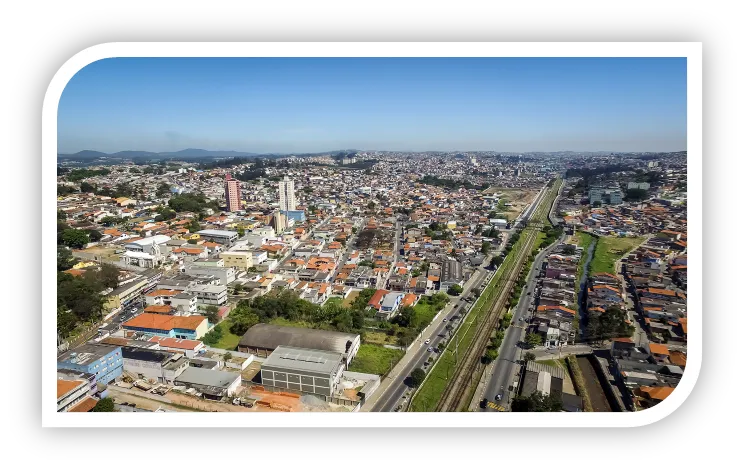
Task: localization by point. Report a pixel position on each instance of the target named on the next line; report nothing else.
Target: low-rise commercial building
(213, 384)
(239, 260)
(224, 237)
(154, 365)
(262, 339)
(179, 327)
(103, 361)
(303, 370)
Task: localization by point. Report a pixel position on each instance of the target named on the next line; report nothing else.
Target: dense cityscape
(371, 281)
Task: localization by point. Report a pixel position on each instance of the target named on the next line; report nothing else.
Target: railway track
(456, 392)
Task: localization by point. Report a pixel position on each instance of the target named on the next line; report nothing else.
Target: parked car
(498, 397)
(427, 341)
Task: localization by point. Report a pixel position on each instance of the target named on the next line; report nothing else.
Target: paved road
(396, 255)
(349, 247)
(503, 372)
(393, 389)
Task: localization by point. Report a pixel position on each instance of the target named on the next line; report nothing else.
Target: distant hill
(187, 153)
(89, 154)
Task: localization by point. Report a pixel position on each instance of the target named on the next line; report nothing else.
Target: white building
(210, 294)
(226, 275)
(286, 195)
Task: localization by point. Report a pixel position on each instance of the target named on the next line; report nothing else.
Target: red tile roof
(165, 323)
(86, 405)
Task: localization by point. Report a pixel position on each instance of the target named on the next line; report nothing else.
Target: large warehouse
(307, 371)
(262, 339)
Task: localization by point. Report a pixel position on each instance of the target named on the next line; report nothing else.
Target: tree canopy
(537, 402)
(104, 405)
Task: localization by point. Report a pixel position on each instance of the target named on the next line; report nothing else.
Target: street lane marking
(496, 407)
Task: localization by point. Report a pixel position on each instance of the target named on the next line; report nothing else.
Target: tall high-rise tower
(232, 193)
(286, 195)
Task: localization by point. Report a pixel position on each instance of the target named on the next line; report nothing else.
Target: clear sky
(322, 104)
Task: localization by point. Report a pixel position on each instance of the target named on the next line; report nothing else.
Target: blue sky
(321, 104)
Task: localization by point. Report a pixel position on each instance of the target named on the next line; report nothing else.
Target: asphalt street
(506, 364)
(502, 374)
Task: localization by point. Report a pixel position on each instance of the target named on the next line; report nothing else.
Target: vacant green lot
(425, 313)
(375, 359)
(608, 250)
(229, 341)
(379, 338)
(584, 240)
(557, 363)
(350, 299)
(279, 321)
(333, 300)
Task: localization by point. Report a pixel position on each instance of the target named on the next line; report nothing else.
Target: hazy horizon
(312, 105)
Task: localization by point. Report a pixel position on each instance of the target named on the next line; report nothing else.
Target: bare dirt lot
(177, 402)
(518, 198)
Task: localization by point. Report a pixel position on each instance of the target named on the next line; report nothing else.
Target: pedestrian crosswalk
(497, 407)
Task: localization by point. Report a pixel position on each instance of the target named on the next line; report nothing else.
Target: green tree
(94, 235)
(212, 337)
(492, 353)
(211, 313)
(104, 405)
(109, 276)
(163, 189)
(241, 231)
(87, 188)
(417, 377)
(64, 258)
(194, 226)
(537, 402)
(454, 290)
(109, 221)
(228, 356)
(75, 238)
(406, 317)
(242, 320)
(357, 320)
(61, 216)
(66, 321)
(533, 340)
(486, 247)
(529, 356)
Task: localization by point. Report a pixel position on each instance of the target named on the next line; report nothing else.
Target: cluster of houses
(555, 314)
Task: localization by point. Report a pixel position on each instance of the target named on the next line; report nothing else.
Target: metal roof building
(304, 370)
(213, 383)
(262, 339)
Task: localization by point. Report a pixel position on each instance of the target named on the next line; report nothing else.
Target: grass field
(375, 359)
(425, 313)
(557, 363)
(286, 322)
(334, 300)
(608, 250)
(350, 299)
(584, 240)
(379, 338)
(518, 197)
(431, 391)
(229, 341)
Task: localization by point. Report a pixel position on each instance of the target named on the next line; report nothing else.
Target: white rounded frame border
(691, 50)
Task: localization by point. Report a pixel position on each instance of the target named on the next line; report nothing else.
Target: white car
(427, 341)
